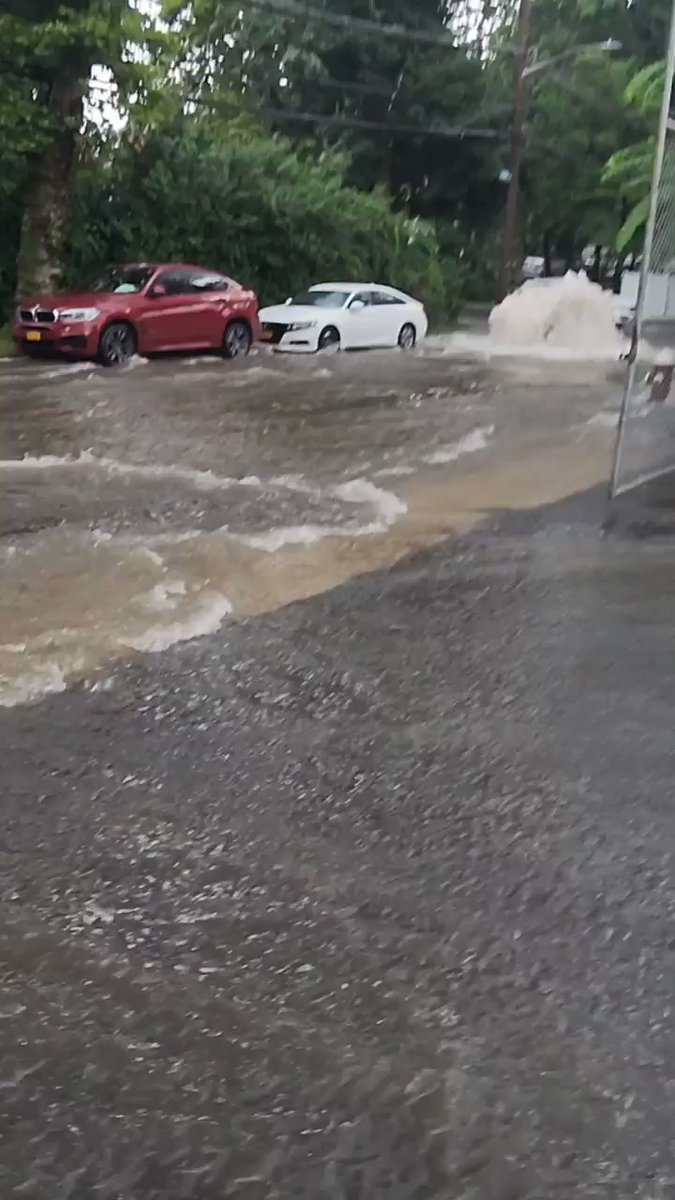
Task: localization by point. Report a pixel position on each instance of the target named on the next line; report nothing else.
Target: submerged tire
(329, 338)
(118, 345)
(237, 340)
(407, 338)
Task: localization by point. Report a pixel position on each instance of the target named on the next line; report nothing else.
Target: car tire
(118, 345)
(237, 340)
(407, 338)
(329, 338)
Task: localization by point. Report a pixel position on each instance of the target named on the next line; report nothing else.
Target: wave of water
(111, 593)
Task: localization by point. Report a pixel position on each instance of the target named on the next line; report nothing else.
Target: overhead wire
(297, 8)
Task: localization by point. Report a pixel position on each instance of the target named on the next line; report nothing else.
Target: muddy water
(150, 506)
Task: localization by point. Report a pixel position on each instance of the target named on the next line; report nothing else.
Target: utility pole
(517, 148)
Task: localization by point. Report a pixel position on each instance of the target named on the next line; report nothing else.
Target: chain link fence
(646, 439)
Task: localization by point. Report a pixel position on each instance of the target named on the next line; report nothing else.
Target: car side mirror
(289, 300)
(157, 291)
(357, 306)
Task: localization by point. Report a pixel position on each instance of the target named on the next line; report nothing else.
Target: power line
(442, 131)
(365, 89)
(360, 123)
(296, 8)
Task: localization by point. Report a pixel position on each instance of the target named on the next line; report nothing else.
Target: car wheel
(407, 337)
(329, 338)
(118, 345)
(237, 340)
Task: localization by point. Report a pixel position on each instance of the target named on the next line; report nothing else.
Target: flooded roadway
(367, 898)
(145, 507)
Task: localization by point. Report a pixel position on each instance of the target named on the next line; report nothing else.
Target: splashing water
(570, 314)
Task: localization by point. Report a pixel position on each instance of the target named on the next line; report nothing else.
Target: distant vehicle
(625, 303)
(144, 308)
(344, 316)
(533, 267)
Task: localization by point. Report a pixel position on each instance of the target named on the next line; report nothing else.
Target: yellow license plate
(267, 335)
(33, 335)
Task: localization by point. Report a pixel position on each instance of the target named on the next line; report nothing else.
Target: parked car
(144, 308)
(345, 316)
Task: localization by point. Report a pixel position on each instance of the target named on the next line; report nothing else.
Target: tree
(630, 169)
(48, 49)
(577, 121)
(245, 202)
(342, 83)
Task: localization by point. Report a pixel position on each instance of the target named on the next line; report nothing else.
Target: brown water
(145, 507)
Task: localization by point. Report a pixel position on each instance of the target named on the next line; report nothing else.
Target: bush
(252, 207)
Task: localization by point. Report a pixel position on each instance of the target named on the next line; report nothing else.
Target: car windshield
(122, 279)
(321, 299)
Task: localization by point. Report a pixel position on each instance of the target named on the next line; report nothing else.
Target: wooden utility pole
(509, 256)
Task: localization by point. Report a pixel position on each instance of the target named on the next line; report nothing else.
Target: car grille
(277, 331)
(39, 316)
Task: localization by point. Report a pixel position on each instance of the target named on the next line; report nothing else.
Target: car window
(364, 297)
(175, 282)
(386, 298)
(122, 280)
(320, 299)
(207, 281)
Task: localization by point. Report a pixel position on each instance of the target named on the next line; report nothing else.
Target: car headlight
(79, 314)
(301, 325)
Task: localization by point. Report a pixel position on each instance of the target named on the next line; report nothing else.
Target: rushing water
(144, 507)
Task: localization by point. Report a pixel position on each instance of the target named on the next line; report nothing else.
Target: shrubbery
(251, 206)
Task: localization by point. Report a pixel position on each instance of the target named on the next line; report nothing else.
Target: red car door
(215, 295)
(174, 315)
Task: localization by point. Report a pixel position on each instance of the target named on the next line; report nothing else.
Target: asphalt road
(369, 896)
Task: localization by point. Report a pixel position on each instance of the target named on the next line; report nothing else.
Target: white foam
(288, 535)
(480, 345)
(165, 596)
(569, 314)
(386, 510)
(604, 420)
(207, 618)
(68, 369)
(32, 685)
(471, 443)
(388, 507)
(400, 470)
(205, 480)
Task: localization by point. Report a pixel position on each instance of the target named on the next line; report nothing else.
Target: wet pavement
(371, 895)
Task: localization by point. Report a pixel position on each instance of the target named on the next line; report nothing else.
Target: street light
(523, 70)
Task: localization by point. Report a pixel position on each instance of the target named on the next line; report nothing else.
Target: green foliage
(7, 347)
(251, 206)
(630, 169)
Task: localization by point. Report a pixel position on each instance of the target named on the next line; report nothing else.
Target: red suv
(144, 309)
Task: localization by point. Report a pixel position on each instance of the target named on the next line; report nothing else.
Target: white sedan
(344, 316)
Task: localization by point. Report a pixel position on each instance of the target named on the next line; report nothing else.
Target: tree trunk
(618, 274)
(47, 199)
(596, 269)
(546, 247)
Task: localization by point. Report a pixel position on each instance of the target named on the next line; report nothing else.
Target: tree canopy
(284, 137)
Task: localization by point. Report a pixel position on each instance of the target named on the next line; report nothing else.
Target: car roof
(172, 266)
(349, 287)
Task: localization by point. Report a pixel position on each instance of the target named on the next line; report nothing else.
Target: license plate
(267, 335)
(33, 335)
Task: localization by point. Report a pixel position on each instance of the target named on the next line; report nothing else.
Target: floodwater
(145, 507)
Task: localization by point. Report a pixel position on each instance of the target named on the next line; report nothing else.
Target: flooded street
(366, 892)
(144, 507)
